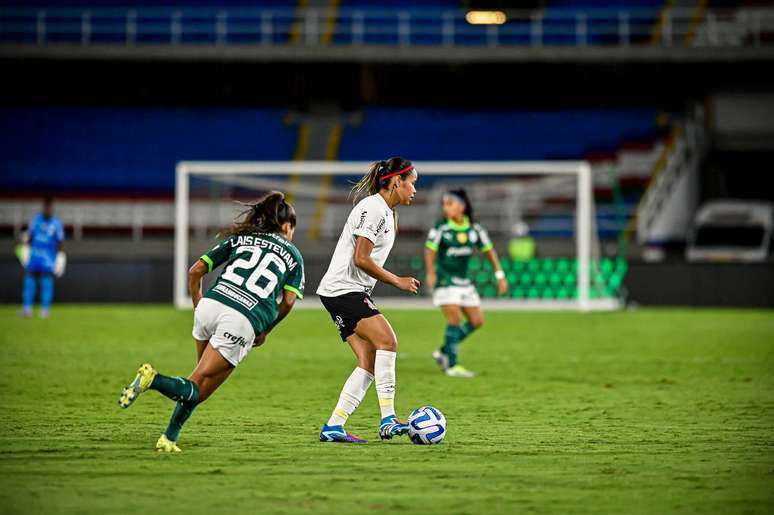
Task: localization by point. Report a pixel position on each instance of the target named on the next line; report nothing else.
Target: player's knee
(387, 342)
(477, 323)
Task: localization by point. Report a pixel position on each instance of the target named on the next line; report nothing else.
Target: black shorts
(349, 309)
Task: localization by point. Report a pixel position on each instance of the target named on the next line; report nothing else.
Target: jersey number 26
(260, 270)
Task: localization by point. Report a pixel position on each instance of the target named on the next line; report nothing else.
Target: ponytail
(267, 215)
(378, 176)
(369, 184)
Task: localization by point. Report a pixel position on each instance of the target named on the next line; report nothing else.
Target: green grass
(654, 411)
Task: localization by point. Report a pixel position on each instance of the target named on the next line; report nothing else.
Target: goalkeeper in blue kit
(42, 257)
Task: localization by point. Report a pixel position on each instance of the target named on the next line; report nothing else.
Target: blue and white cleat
(391, 426)
(337, 434)
(441, 359)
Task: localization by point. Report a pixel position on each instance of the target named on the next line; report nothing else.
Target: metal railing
(744, 27)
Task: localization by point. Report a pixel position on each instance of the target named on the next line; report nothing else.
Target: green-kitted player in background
(447, 252)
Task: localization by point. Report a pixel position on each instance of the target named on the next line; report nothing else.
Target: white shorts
(228, 330)
(466, 296)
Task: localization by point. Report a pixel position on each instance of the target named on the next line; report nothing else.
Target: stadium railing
(403, 26)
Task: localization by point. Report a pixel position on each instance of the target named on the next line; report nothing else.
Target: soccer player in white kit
(345, 290)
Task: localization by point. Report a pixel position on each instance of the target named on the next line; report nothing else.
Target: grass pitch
(654, 411)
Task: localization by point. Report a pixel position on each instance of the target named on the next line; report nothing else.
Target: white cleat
(441, 359)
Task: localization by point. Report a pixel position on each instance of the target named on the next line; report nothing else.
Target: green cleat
(166, 445)
(142, 382)
(459, 371)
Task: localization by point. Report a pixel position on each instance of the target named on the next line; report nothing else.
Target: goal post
(267, 175)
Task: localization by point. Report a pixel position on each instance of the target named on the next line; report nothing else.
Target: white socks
(353, 392)
(384, 370)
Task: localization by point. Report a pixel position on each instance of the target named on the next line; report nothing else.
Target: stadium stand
(441, 23)
(129, 150)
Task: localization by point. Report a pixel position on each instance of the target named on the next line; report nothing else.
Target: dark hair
(461, 193)
(266, 215)
(379, 175)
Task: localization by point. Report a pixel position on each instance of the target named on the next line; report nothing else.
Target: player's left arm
(292, 290)
(285, 305)
(487, 247)
(60, 262)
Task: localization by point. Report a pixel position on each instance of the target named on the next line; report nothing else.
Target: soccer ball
(427, 426)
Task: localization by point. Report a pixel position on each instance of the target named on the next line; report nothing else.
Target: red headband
(393, 174)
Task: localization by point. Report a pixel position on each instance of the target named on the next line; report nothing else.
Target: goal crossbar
(580, 169)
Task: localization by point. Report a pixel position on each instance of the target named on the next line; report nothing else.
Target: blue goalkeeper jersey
(45, 236)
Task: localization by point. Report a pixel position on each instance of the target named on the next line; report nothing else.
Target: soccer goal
(540, 215)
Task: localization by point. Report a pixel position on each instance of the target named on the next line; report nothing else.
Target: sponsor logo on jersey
(462, 237)
(459, 251)
(473, 236)
(362, 220)
(235, 339)
(382, 222)
(236, 295)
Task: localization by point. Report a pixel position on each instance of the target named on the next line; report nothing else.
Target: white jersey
(371, 218)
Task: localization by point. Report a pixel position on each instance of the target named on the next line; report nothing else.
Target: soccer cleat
(142, 382)
(459, 371)
(441, 359)
(43, 313)
(166, 445)
(337, 434)
(391, 426)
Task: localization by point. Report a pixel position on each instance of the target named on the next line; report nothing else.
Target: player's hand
(259, 340)
(502, 286)
(430, 280)
(409, 284)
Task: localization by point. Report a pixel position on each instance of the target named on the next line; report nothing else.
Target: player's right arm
(195, 274)
(364, 261)
(431, 249)
(205, 264)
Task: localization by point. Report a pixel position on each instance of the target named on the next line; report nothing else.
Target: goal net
(540, 216)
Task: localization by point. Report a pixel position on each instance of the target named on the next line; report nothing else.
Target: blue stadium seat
(434, 134)
(129, 149)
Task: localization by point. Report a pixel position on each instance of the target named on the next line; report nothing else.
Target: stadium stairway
(319, 139)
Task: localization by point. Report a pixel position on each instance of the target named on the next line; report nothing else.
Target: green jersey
(454, 244)
(259, 267)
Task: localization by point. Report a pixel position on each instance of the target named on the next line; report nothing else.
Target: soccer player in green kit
(263, 276)
(448, 249)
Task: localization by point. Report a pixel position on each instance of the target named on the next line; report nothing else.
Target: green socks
(185, 393)
(181, 413)
(176, 388)
(452, 338)
(466, 329)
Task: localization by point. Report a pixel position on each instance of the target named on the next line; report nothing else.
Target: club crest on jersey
(462, 237)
